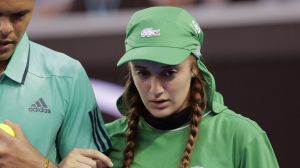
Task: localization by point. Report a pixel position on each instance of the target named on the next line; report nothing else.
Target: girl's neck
(170, 122)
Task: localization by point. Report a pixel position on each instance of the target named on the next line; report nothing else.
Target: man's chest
(39, 108)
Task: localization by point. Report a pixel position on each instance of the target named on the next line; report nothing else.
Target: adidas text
(39, 109)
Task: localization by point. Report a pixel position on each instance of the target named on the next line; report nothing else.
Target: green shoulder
(245, 128)
(117, 126)
(252, 145)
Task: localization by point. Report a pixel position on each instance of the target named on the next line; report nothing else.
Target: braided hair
(198, 104)
(133, 102)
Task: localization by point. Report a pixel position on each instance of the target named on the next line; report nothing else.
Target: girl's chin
(160, 113)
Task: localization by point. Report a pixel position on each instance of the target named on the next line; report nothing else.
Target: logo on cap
(149, 32)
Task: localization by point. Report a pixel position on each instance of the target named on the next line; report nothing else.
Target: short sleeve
(259, 154)
(83, 125)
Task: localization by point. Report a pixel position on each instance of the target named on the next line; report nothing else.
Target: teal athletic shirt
(226, 139)
(49, 95)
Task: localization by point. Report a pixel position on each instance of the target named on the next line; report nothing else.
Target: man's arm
(83, 126)
(16, 152)
(79, 158)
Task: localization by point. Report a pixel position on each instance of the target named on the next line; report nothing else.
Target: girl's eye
(169, 73)
(142, 74)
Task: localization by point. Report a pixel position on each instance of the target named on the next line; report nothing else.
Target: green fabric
(180, 36)
(152, 36)
(226, 140)
(49, 95)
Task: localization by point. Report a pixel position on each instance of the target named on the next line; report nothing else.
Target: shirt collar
(17, 67)
(173, 121)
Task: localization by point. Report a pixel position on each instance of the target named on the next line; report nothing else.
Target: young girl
(174, 117)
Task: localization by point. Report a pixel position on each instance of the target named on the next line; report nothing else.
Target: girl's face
(164, 89)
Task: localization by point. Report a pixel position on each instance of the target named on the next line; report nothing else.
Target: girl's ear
(194, 67)
(194, 73)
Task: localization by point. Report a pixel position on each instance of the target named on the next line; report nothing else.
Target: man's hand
(16, 152)
(85, 158)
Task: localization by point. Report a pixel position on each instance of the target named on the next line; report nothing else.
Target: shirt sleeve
(259, 154)
(83, 125)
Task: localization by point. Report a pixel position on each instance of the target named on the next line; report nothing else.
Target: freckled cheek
(141, 87)
(180, 90)
(143, 92)
(172, 91)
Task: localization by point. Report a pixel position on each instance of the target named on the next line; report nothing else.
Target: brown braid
(198, 104)
(132, 100)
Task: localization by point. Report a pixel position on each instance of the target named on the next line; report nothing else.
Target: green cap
(162, 34)
(167, 35)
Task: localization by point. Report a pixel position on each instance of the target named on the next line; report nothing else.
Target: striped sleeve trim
(100, 135)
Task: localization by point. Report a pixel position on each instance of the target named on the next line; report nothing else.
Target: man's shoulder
(47, 62)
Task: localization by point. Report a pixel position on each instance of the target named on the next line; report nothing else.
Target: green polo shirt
(49, 95)
(226, 140)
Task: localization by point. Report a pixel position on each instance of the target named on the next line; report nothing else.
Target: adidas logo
(39, 106)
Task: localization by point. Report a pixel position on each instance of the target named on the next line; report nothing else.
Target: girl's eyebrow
(163, 67)
(169, 66)
(139, 67)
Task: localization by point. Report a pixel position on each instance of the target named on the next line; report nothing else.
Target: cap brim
(164, 55)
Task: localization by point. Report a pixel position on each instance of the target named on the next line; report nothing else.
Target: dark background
(256, 69)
